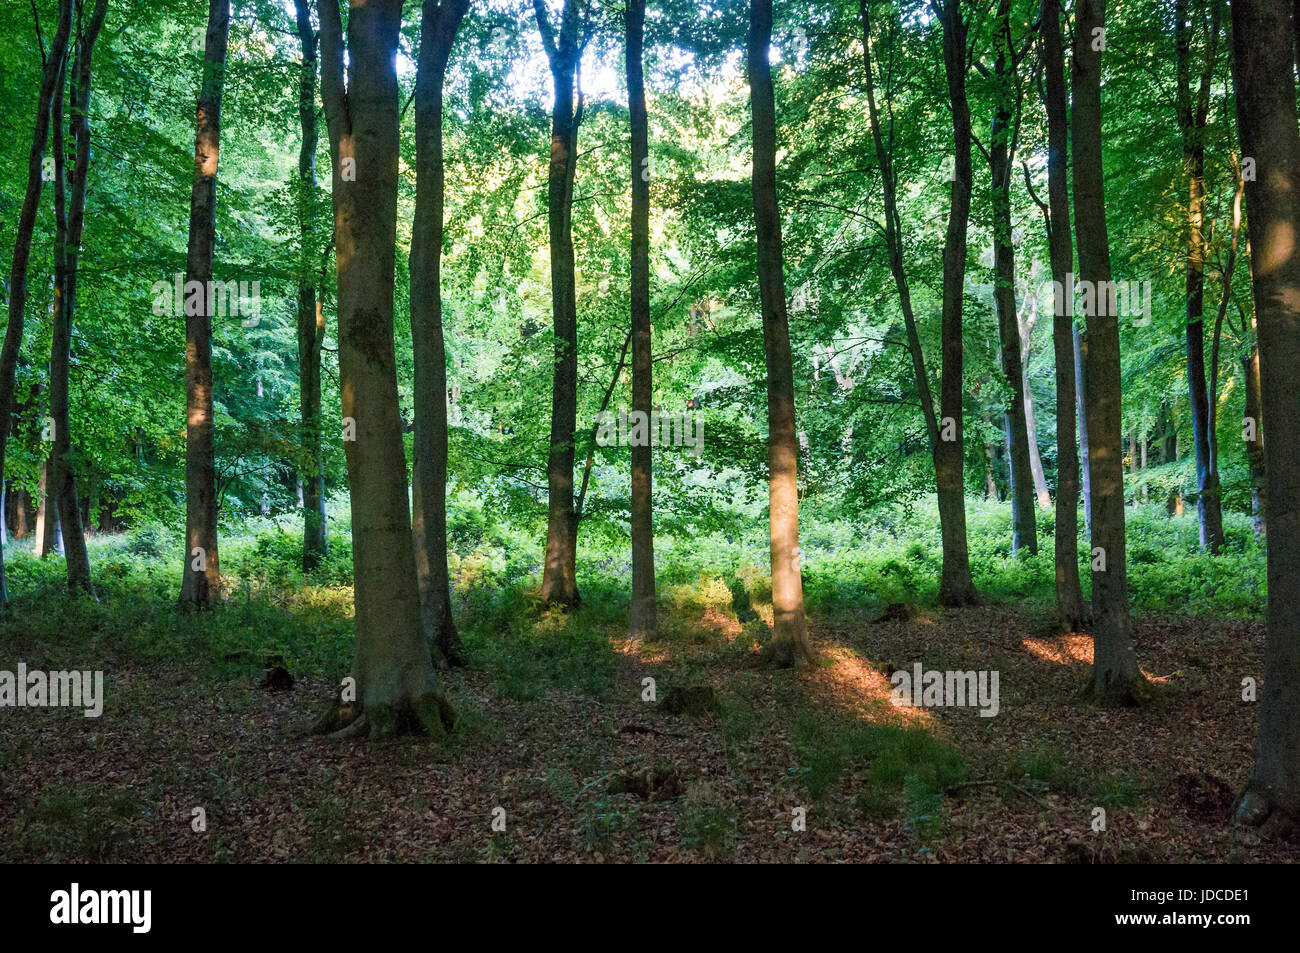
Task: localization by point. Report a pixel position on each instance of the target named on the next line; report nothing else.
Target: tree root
(430, 715)
(1271, 820)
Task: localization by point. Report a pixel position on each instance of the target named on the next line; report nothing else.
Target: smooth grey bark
(789, 631)
(1266, 122)
(201, 582)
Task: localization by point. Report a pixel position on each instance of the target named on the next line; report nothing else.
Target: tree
(311, 315)
(955, 586)
(1115, 674)
(1070, 613)
(70, 219)
(396, 686)
(564, 52)
(642, 622)
(1266, 123)
(789, 636)
(1001, 154)
(201, 582)
(1192, 119)
(51, 76)
(439, 25)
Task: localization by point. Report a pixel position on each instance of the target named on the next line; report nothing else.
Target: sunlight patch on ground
(844, 677)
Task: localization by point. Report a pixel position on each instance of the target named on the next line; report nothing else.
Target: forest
(649, 431)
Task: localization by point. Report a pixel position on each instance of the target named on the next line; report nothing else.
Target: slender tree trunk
(47, 517)
(955, 586)
(1081, 409)
(789, 635)
(564, 52)
(1266, 121)
(1192, 118)
(52, 71)
(1115, 672)
(311, 316)
(396, 685)
(642, 622)
(67, 254)
(440, 22)
(1024, 526)
(201, 583)
(1071, 615)
(1254, 419)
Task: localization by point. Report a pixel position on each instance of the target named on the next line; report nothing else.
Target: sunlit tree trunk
(564, 52)
(201, 583)
(789, 635)
(1266, 121)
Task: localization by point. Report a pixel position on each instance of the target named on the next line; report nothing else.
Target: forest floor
(596, 773)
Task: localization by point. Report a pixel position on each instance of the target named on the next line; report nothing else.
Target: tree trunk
(1024, 525)
(311, 316)
(48, 537)
(641, 622)
(1266, 121)
(955, 586)
(51, 74)
(201, 583)
(1192, 119)
(67, 248)
(789, 635)
(396, 685)
(440, 21)
(1071, 615)
(1081, 408)
(564, 52)
(1115, 674)
(1254, 418)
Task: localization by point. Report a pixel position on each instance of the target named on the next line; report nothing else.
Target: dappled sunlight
(842, 677)
(1069, 649)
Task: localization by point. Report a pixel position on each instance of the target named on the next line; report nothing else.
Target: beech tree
(789, 636)
(396, 687)
(564, 52)
(51, 78)
(1115, 674)
(201, 583)
(439, 24)
(642, 622)
(1266, 123)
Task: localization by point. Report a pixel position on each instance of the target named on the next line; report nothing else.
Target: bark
(641, 622)
(396, 684)
(1266, 123)
(955, 586)
(1192, 117)
(440, 22)
(201, 583)
(1071, 615)
(789, 635)
(67, 254)
(1255, 448)
(311, 316)
(1024, 526)
(564, 52)
(1115, 675)
(52, 71)
(48, 538)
